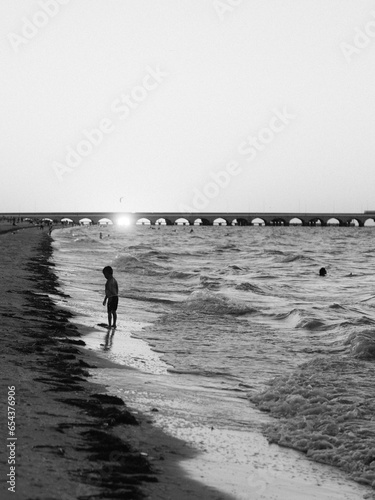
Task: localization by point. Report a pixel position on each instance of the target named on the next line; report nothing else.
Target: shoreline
(66, 426)
(75, 440)
(7, 228)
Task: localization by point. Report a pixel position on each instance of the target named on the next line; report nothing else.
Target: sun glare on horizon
(124, 221)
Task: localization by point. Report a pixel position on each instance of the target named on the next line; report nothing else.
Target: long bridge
(203, 218)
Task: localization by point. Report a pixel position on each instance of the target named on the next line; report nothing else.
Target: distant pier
(202, 218)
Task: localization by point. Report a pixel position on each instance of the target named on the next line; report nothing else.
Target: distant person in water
(322, 271)
(111, 296)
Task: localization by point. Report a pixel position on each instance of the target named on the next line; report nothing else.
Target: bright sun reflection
(124, 221)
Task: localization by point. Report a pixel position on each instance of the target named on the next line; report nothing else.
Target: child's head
(108, 271)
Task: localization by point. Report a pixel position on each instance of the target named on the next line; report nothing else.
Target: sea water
(239, 331)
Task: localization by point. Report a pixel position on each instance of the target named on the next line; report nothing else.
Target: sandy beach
(72, 440)
(64, 442)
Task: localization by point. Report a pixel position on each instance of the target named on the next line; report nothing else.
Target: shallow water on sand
(241, 316)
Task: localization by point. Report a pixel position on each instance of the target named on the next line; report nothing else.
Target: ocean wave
(84, 238)
(228, 246)
(132, 263)
(272, 251)
(287, 314)
(126, 261)
(141, 296)
(235, 269)
(153, 253)
(207, 302)
(293, 258)
(139, 246)
(245, 286)
(201, 372)
(362, 344)
(266, 276)
(369, 299)
(336, 306)
(362, 321)
(292, 317)
(313, 324)
(325, 409)
(181, 275)
(210, 282)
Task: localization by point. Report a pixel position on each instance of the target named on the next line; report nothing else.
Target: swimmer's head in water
(322, 271)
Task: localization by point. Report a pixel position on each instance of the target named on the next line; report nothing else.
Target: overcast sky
(214, 105)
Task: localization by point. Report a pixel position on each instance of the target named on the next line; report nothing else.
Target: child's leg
(114, 313)
(109, 318)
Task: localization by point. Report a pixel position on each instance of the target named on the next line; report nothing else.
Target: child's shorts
(112, 304)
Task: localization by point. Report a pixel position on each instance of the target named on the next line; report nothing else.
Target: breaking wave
(215, 303)
(322, 411)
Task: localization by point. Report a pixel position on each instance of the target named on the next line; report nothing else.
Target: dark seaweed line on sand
(13, 229)
(107, 463)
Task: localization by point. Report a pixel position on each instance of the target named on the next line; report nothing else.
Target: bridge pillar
(205, 222)
(241, 221)
(279, 222)
(351, 223)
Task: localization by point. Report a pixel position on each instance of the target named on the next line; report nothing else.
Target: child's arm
(106, 295)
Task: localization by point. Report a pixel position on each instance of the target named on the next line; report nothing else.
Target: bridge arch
(47, 220)
(334, 221)
(279, 221)
(182, 221)
(163, 222)
(203, 221)
(67, 221)
(199, 222)
(369, 222)
(296, 221)
(356, 221)
(220, 221)
(85, 221)
(258, 221)
(105, 222)
(143, 221)
(240, 221)
(316, 221)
